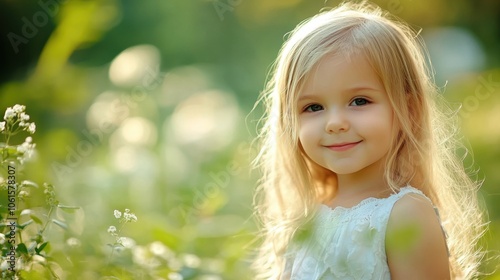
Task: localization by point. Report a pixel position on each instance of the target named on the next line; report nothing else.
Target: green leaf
(36, 219)
(68, 209)
(27, 183)
(41, 247)
(32, 247)
(11, 150)
(25, 224)
(61, 224)
(21, 248)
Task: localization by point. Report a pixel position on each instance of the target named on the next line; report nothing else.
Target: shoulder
(415, 242)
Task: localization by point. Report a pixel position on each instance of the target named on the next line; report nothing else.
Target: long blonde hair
(422, 154)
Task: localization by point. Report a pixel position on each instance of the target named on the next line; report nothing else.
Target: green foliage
(24, 246)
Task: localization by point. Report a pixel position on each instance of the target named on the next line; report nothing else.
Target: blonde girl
(360, 178)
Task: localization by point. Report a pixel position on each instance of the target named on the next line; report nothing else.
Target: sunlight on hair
(206, 120)
(131, 66)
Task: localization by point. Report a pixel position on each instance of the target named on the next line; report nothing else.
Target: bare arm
(415, 243)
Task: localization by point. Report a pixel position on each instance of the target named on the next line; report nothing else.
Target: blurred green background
(146, 105)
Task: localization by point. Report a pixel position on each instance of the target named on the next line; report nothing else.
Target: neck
(354, 187)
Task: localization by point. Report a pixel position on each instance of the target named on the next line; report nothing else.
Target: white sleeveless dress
(345, 243)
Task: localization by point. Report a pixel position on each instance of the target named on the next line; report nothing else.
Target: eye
(359, 102)
(313, 108)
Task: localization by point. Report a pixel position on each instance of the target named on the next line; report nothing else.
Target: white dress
(345, 243)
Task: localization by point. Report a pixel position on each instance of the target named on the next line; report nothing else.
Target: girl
(357, 155)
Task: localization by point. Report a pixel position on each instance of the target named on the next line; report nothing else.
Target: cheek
(307, 137)
(382, 130)
(308, 131)
(377, 126)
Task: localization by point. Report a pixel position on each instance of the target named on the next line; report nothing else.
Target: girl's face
(345, 118)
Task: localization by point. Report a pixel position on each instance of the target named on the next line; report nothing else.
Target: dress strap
(410, 189)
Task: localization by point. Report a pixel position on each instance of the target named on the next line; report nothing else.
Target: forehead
(341, 72)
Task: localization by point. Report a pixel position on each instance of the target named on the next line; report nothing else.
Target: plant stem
(48, 220)
(117, 236)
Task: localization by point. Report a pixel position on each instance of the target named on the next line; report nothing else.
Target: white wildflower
(23, 194)
(31, 128)
(73, 242)
(127, 242)
(19, 108)
(4, 266)
(158, 248)
(9, 114)
(120, 240)
(29, 184)
(2, 238)
(24, 117)
(26, 212)
(129, 217)
(20, 265)
(112, 230)
(30, 151)
(21, 148)
(26, 148)
(117, 214)
(2, 126)
(39, 259)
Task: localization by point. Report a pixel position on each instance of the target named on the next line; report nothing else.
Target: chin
(344, 170)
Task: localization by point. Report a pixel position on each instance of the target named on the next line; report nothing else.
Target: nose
(337, 122)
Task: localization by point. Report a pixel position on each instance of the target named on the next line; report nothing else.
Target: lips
(339, 147)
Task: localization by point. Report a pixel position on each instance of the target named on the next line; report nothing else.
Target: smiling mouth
(343, 146)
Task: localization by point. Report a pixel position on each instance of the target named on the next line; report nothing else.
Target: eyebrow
(349, 90)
